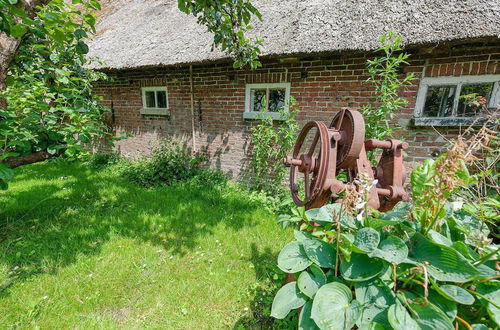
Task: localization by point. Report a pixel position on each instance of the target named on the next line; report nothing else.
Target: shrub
(271, 141)
(171, 161)
(429, 264)
(384, 75)
(102, 159)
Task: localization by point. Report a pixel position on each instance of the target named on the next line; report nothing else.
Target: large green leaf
(287, 298)
(375, 298)
(367, 239)
(429, 317)
(324, 213)
(5, 172)
(311, 280)
(293, 258)
(372, 326)
(392, 249)
(491, 290)
(332, 307)
(305, 320)
(455, 293)
(361, 267)
(400, 319)
(445, 263)
(439, 239)
(321, 253)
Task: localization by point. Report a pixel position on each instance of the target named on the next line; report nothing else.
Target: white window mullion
(456, 100)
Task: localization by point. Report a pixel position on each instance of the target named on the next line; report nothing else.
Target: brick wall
(321, 86)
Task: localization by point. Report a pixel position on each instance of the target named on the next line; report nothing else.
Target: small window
(272, 97)
(154, 98)
(456, 100)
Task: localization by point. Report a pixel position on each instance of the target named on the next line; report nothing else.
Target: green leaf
(79, 33)
(455, 293)
(491, 290)
(372, 326)
(302, 235)
(18, 30)
(323, 214)
(293, 258)
(445, 263)
(305, 320)
(439, 239)
(367, 239)
(375, 298)
(311, 280)
(321, 253)
(82, 47)
(400, 319)
(287, 298)
(5, 172)
(331, 308)
(429, 317)
(392, 249)
(361, 267)
(479, 327)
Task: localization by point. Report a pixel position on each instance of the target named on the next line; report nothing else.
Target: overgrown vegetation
(171, 161)
(271, 141)
(427, 264)
(384, 76)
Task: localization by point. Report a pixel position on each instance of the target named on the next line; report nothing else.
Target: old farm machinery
(322, 152)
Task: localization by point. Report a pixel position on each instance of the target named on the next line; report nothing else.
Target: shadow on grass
(271, 278)
(58, 211)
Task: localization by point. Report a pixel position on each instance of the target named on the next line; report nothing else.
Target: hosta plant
(428, 264)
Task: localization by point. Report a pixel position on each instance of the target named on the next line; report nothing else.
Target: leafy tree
(48, 103)
(228, 20)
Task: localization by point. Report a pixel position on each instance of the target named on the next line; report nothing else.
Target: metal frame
(458, 82)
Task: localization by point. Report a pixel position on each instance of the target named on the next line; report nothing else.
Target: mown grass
(84, 248)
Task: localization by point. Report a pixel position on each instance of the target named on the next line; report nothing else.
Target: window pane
(150, 99)
(472, 98)
(161, 99)
(257, 99)
(276, 99)
(439, 101)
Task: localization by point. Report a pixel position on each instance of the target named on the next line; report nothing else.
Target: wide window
(455, 100)
(154, 98)
(271, 97)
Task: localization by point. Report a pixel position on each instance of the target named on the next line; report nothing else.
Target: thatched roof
(142, 33)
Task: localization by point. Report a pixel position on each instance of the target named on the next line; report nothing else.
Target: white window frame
(453, 120)
(249, 114)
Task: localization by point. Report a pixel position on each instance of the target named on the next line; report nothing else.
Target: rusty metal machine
(342, 147)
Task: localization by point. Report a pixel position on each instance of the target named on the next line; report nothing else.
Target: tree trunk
(9, 46)
(35, 157)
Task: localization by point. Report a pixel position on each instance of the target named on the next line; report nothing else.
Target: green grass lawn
(84, 248)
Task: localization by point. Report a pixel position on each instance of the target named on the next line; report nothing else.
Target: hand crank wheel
(351, 125)
(313, 166)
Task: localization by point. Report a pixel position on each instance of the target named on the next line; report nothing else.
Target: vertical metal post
(193, 132)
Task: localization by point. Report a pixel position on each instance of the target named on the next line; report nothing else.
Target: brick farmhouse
(168, 81)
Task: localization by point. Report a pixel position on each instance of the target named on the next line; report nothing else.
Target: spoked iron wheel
(311, 161)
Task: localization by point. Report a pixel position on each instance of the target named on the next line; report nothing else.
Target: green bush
(102, 159)
(171, 161)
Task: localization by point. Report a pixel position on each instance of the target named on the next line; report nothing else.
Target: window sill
(258, 115)
(155, 112)
(457, 121)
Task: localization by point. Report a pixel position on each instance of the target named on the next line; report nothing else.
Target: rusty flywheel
(341, 146)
